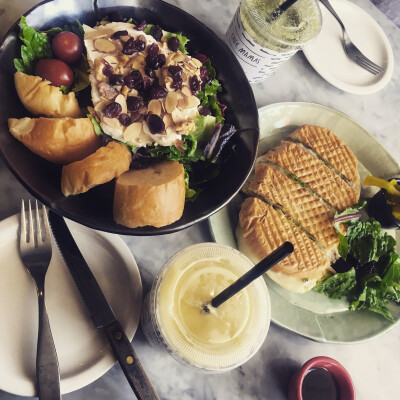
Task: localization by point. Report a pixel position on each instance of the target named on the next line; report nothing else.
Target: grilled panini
(263, 229)
(331, 149)
(314, 173)
(313, 215)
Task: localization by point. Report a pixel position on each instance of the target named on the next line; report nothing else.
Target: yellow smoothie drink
(218, 340)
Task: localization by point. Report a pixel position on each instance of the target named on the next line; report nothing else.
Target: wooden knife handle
(129, 362)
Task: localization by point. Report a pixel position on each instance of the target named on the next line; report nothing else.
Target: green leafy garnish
(183, 40)
(204, 125)
(96, 125)
(366, 241)
(374, 275)
(338, 285)
(36, 46)
(81, 77)
(189, 155)
(208, 97)
(77, 29)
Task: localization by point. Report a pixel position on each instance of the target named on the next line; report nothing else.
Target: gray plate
(313, 315)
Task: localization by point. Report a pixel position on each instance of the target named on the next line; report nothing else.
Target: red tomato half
(55, 71)
(67, 47)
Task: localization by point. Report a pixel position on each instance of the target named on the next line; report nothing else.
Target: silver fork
(35, 251)
(352, 52)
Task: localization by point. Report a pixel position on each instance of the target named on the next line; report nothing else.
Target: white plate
(314, 315)
(83, 351)
(327, 56)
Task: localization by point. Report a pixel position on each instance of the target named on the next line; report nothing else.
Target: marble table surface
(373, 365)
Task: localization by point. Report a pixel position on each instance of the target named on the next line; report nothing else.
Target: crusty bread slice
(40, 98)
(314, 216)
(100, 167)
(59, 140)
(320, 178)
(330, 148)
(264, 229)
(153, 196)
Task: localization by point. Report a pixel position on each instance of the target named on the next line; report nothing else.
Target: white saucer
(83, 352)
(327, 56)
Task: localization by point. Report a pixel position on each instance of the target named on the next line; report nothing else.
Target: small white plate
(83, 351)
(311, 314)
(328, 58)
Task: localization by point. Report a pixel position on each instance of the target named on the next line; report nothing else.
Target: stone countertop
(373, 365)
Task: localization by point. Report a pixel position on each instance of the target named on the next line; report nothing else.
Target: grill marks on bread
(309, 212)
(331, 149)
(320, 178)
(294, 195)
(265, 228)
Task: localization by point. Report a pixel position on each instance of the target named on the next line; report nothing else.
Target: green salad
(368, 273)
(198, 151)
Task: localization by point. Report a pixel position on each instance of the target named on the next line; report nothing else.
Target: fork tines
(28, 229)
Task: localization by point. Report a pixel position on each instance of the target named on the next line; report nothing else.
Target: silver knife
(100, 311)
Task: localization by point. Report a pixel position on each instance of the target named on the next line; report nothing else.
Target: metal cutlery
(352, 52)
(100, 311)
(35, 251)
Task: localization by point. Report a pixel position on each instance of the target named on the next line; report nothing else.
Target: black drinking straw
(279, 10)
(263, 266)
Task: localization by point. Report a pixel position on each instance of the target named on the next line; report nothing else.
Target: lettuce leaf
(338, 285)
(373, 278)
(183, 40)
(96, 125)
(208, 97)
(366, 241)
(204, 128)
(36, 46)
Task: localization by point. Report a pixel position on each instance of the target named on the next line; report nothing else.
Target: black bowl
(379, 209)
(94, 208)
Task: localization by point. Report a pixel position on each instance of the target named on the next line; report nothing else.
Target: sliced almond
(197, 62)
(137, 62)
(104, 45)
(112, 60)
(191, 102)
(154, 107)
(171, 102)
(186, 91)
(97, 33)
(125, 91)
(132, 131)
(124, 39)
(179, 56)
(168, 82)
(185, 78)
(112, 122)
(134, 93)
(120, 99)
(168, 122)
(178, 116)
(170, 59)
(124, 59)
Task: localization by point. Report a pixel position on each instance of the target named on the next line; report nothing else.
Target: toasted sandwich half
(297, 203)
(262, 229)
(331, 150)
(314, 173)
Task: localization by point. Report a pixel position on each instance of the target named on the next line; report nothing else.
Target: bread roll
(40, 98)
(104, 165)
(153, 196)
(61, 140)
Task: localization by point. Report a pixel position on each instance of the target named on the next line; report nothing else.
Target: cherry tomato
(67, 47)
(55, 71)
